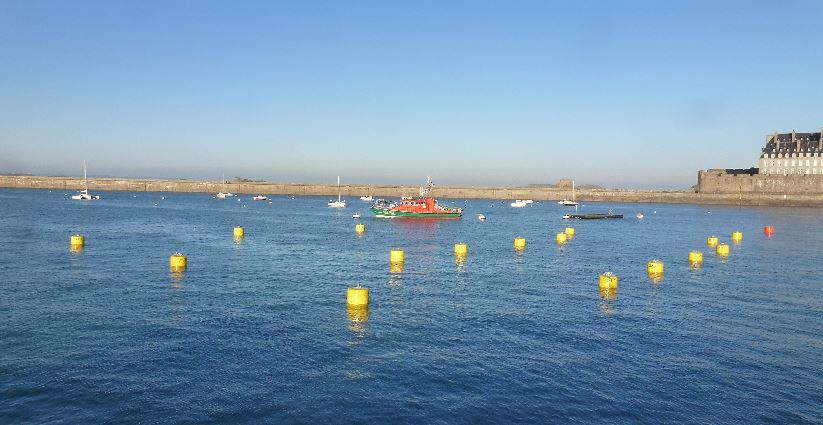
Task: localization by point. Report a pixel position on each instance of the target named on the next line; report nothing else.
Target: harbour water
(258, 331)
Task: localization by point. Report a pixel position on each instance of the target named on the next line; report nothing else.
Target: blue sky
(621, 94)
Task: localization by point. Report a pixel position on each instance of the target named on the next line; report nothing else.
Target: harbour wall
(750, 182)
(713, 188)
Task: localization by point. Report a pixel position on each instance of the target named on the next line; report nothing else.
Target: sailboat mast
(338, 188)
(85, 179)
(572, 190)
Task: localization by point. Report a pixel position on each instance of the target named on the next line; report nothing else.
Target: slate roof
(805, 142)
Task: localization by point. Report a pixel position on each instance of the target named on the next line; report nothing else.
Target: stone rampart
(724, 182)
(713, 188)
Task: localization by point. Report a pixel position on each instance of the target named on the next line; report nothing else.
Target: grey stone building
(792, 154)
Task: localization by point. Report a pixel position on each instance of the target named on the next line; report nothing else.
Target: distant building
(792, 153)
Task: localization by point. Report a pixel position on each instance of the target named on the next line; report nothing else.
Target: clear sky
(621, 94)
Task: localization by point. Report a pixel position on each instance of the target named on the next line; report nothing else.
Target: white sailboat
(222, 195)
(83, 195)
(368, 197)
(568, 203)
(518, 204)
(338, 203)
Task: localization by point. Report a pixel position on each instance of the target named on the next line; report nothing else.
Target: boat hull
(378, 212)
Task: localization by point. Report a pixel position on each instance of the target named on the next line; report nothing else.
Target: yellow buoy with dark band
(711, 241)
(238, 232)
(357, 296)
(722, 249)
(560, 238)
(737, 237)
(396, 268)
(177, 262)
(519, 243)
(77, 241)
(396, 256)
(461, 249)
(695, 257)
(569, 231)
(607, 281)
(655, 267)
(360, 228)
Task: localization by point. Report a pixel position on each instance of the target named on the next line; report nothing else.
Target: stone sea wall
(713, 189)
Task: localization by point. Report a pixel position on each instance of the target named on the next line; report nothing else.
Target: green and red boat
(422, 206)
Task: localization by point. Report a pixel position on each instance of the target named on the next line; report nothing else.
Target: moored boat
(422, 206)
(84, 195)
(260, 198)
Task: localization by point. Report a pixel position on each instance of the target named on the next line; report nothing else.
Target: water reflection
(76, 249)
(607, 301)
(176, 277)
(238, 240)
(460, 262)
(656, 277)
(519, 260)
(358, 316)
(395, 278)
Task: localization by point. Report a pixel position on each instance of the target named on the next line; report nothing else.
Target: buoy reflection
(460, 262)
(176, 277)
(656, 277)
(607, 301)
(358, 316)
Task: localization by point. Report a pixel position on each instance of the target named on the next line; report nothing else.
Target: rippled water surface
(259, 331)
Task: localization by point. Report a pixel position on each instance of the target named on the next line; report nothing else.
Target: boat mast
(85, 179)
(572, 190)
(338, 188)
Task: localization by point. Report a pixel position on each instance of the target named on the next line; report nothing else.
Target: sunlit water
(259, 331)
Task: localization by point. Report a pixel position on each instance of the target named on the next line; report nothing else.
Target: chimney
(820, 141)
(776, 141)
(794, 140)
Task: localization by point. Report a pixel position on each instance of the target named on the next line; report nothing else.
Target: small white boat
(639, 216)
(355, 216)
(222, 195)
(260, 198)
(528, 201)
(339, 203)
(84, 195)
(368, 197)
(566, 202)
(518, 204)
(566, 216)
(481, 217)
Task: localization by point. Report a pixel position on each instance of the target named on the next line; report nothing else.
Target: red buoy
(768, 230)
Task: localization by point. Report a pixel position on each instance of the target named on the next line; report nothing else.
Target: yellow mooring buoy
(722, 250)
(357, 296)
(737, 237)
(77, 241)
(360, 228)
(569, 231)
(560, 238)
(695, 258)
(396, 256)
(461, 249)
(238, 232)
(712, 241)
(654, 267)
(177, 262)
(519, 243)
(607, 281)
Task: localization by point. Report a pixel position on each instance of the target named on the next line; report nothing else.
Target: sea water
(257, 331)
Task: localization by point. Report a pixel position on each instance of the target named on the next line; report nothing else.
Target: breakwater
(738, 197)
